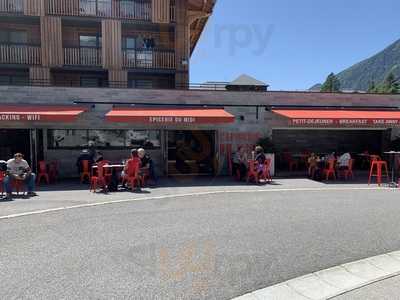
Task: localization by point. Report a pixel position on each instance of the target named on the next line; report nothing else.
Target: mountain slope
(375, 69)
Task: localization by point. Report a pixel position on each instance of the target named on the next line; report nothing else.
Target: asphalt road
(200, 247)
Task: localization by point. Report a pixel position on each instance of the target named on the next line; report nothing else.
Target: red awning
(16, 113)
(170, 116)
(340, 117)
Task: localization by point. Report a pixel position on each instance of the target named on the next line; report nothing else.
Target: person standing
(19, 169)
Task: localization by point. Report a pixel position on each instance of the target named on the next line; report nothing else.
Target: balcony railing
(149, 59)
(123, 9)
(11, 6)
(82, 57)
(172, 13)
(20, 54)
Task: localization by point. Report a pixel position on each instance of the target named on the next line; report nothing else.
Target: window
(104, 8)
(95, 7)
(90, 41)
(67, 139)
(137, 9)
(14, 79)
(129, 46)
(129, 43)
(147, 139)
(87, 7)
(107, 138)
(140, 83)
(13, 37)
(103, 139)
(88, 81)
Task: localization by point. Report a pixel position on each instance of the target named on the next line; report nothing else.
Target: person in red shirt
(133, 162)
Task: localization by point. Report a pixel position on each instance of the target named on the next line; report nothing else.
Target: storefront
(303, 131)
(181, 141)
(188, 135)
(197, 132)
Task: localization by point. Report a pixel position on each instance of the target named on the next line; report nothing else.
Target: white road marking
(332, 282)
(43, 211)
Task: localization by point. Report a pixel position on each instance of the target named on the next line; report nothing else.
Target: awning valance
(339, 117)
(30, 113)
(170, 116)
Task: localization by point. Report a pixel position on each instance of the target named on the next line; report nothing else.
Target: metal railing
(124, 9)
(173, 13)
(148, 59)
(103, 83)
(83, 57)
(11, 6)
(20, 54)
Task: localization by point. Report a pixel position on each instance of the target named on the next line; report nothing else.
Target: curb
(332, 282)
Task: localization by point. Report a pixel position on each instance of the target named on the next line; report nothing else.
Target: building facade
(116, 73)
(120, 43)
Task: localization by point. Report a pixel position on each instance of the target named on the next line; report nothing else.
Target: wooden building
(123, 43)
(116, 73)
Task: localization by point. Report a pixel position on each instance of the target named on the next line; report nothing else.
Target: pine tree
(331, 85)
(390, 85)
(372, 87)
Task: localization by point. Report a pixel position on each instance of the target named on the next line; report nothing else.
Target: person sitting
(343, 161)
(260, 159)
(240, 163)
(147, 165)
(134, 161)
(84, 155)
(19, 169)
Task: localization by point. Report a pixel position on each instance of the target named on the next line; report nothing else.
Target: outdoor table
(111, 166)
(393, 154)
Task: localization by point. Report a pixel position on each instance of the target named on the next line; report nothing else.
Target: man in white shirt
(18, 169)
(343, 161)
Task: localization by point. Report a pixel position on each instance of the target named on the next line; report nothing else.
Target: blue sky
(292, 44)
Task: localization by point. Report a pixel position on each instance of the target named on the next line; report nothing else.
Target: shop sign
(172, 120)
(345, 122)
(19, 117)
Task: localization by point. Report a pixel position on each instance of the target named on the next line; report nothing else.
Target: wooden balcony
(90, 57)
(12, 6)
(120, 9)
(149, 59)
(20, 54)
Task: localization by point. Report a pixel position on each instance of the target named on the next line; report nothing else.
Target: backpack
(3, 166)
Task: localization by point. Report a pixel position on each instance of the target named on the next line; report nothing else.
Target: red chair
(349, 172)
(292, 164)
(132, 173)
(107, 171)
(42, 173)
(376, 171)
(2, 176)
(330, 170)
(266, 175)
(98, 180)
(85, 173)
(252, 173)
(53, 171)
(18, 186)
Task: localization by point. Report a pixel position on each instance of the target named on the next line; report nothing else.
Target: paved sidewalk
(72, 193)
(388, 289)
(376, 277)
